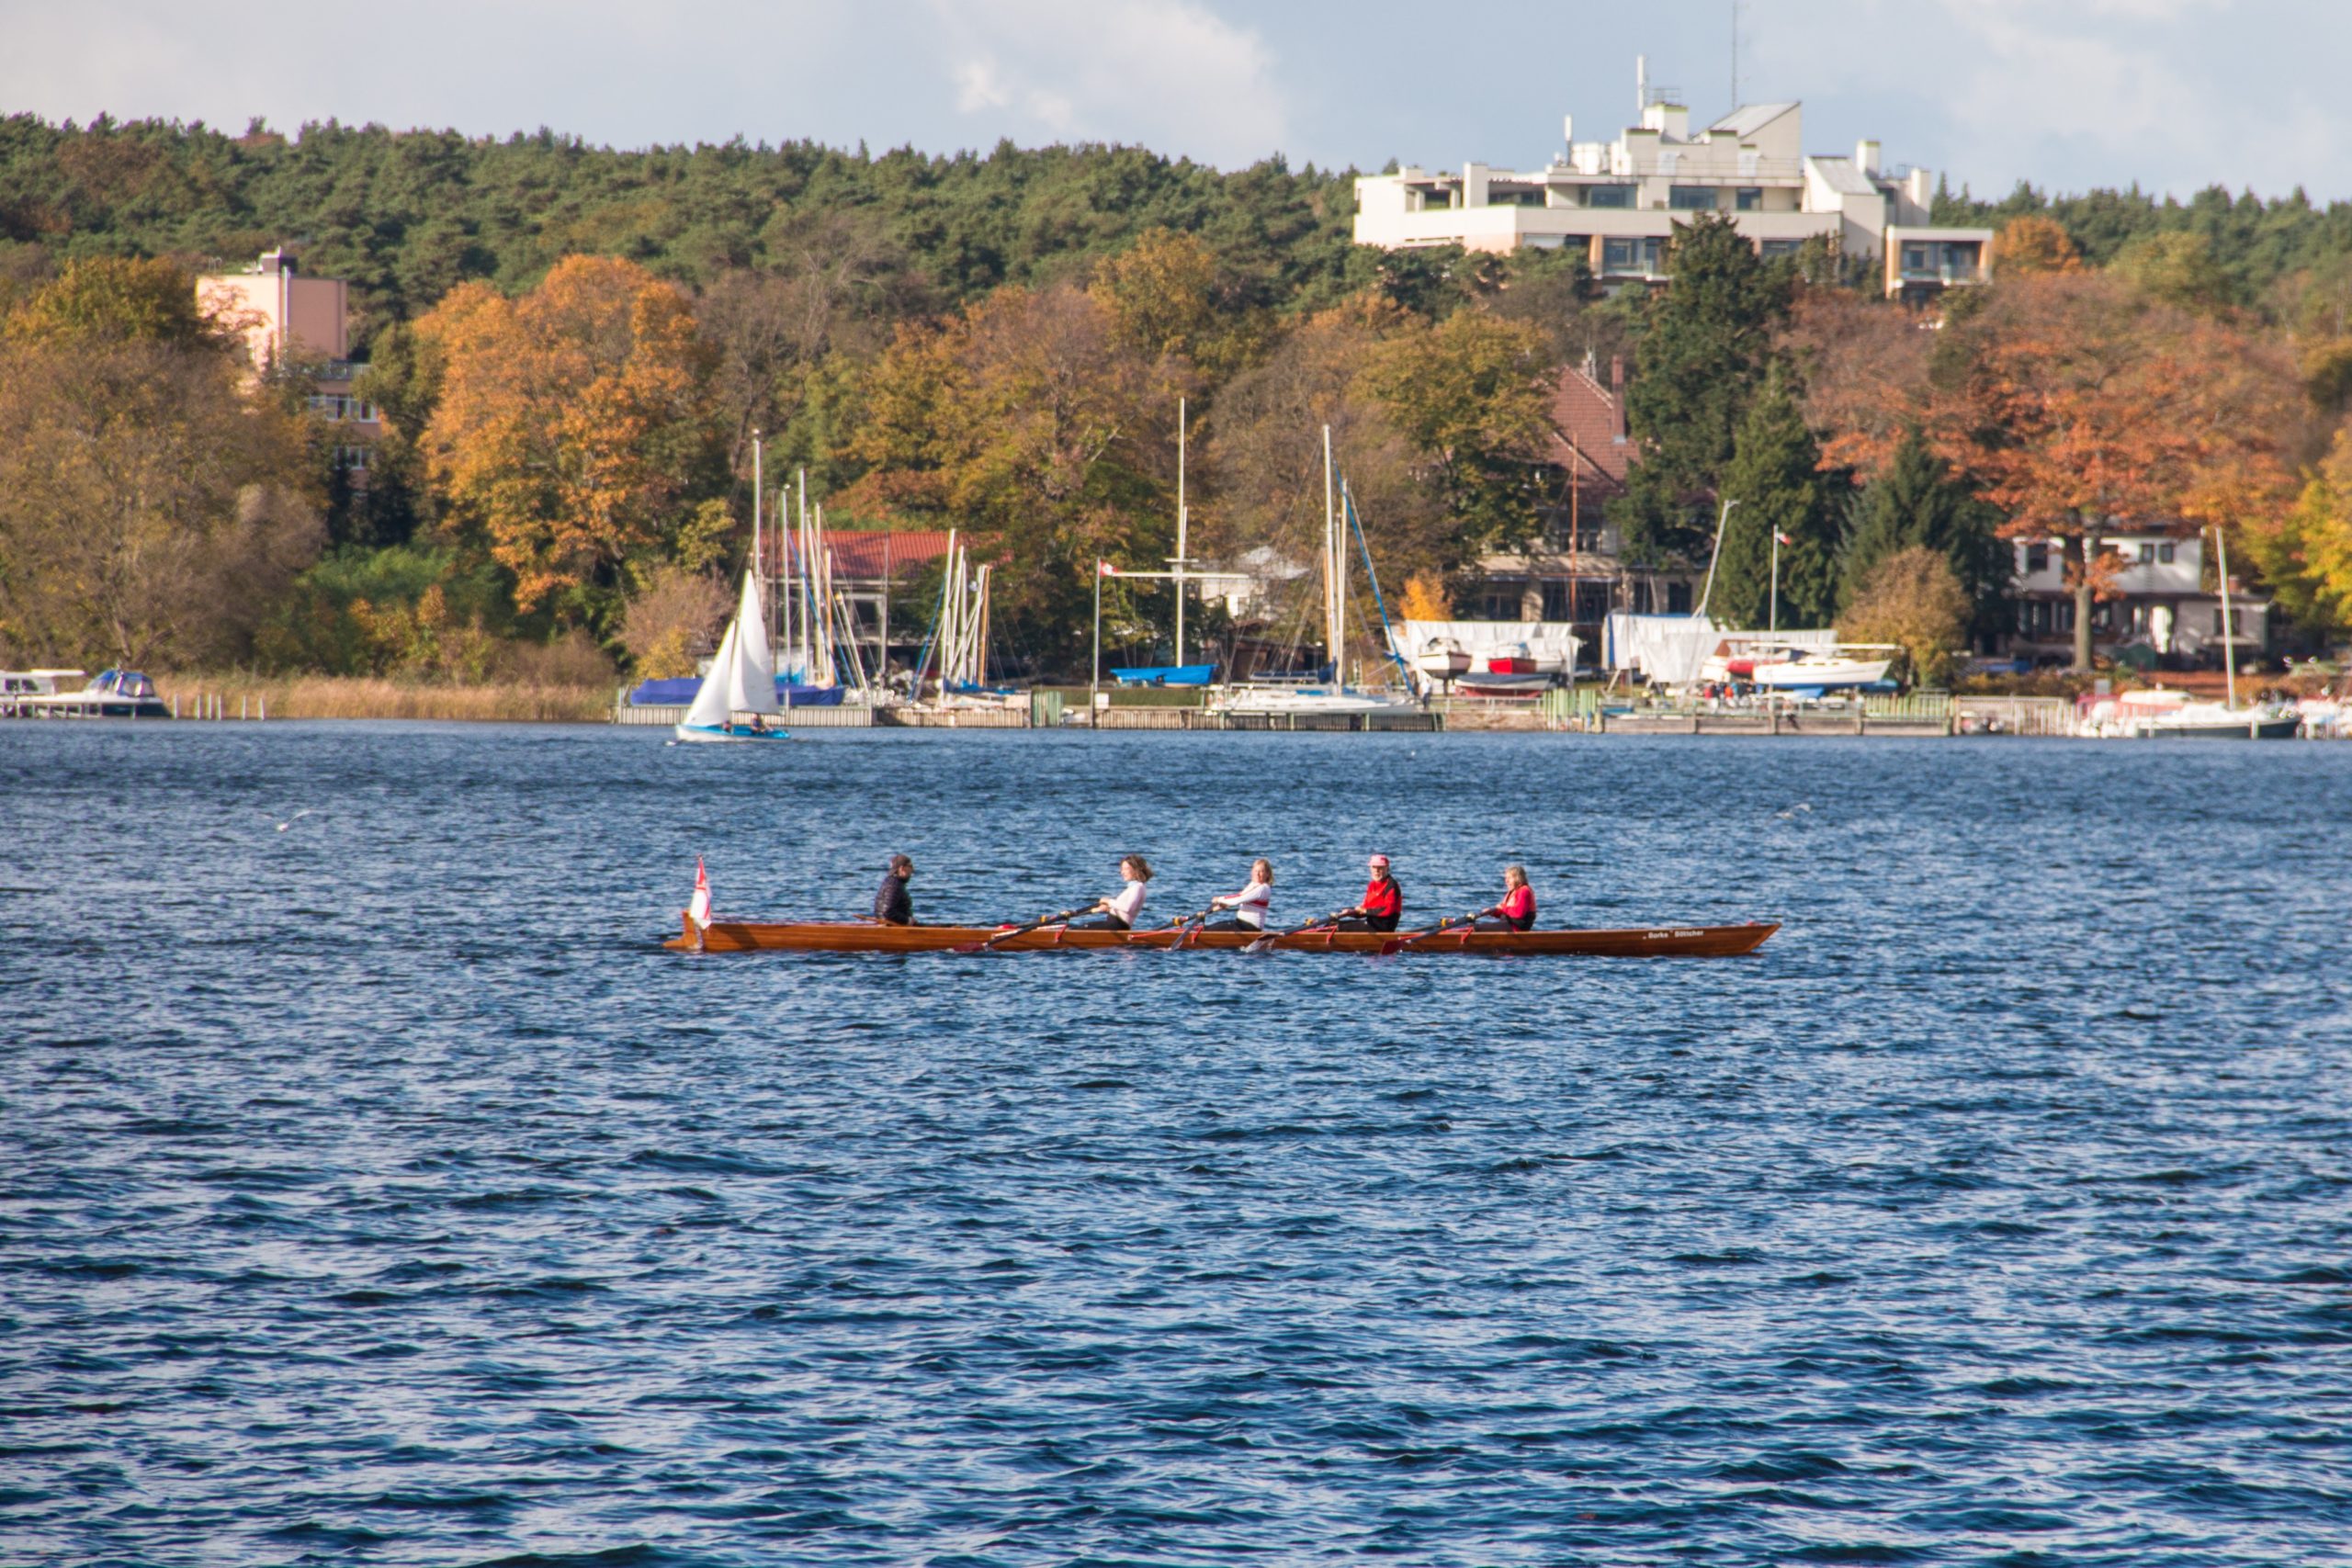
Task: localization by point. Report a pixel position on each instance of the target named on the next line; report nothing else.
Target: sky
(2175, 94)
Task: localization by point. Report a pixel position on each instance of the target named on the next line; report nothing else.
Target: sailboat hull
(722, 732)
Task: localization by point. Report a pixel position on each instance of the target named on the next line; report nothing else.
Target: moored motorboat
(870, 936)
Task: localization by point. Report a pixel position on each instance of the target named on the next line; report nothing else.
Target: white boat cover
(1668, 649)
(743, 675)
(1544, 639)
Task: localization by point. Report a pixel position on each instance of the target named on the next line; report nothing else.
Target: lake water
(374, 1189)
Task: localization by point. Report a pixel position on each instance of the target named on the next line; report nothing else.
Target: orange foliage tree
(2075, 406)
(2031, 242)
(576, 425)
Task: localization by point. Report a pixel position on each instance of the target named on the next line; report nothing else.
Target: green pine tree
(1918, 501)
(1706, 344)
(1774, 475)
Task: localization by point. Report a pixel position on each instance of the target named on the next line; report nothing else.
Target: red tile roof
(876, 553)
(1584, 424)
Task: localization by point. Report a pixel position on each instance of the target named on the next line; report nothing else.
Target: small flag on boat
(1783, 537)
(699, 910)
(1105, 569)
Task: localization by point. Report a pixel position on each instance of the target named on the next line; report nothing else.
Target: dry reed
(352, 696)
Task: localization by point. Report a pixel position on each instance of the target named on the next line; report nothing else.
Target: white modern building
(1617, 201)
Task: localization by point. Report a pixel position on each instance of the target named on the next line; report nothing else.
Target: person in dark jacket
(892, 906)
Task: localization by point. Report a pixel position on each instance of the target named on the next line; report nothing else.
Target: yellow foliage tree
(1913, 599)
(574, 424)
(2306, 556)
(2035, 244)
(1425, 599)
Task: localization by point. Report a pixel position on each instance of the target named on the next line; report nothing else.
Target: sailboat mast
(759, 566)
(1180, 530)
(1333, 627)
(2229, 642)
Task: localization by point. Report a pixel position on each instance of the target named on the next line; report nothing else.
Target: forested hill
(404, 216)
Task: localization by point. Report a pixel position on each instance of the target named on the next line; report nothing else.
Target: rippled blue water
(373, 1189)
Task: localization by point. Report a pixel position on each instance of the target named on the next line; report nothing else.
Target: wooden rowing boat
(869, 936)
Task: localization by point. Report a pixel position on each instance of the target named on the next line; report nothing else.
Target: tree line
(572, 348)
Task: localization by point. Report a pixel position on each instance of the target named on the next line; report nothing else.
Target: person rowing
(1383, 904)
(892, 905)
(1517, 911)
(1250, 904)
(1118, 911)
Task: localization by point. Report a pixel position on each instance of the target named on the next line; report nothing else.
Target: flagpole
(1775, 627)
(1094, 681)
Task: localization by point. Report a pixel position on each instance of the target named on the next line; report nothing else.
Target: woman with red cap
(1382, 905)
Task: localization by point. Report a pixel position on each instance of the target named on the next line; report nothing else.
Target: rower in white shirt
(1248, 906)
(1120, 910)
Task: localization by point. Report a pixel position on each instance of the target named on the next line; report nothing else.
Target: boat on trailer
(872, 936)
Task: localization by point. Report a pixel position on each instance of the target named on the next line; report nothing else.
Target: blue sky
(2071, 94)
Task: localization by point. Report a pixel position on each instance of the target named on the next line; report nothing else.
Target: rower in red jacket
(1382, 904)
(1517, 911)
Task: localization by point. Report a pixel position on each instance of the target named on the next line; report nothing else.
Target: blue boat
(1165, 675)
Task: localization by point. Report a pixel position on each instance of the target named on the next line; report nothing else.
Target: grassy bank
(351, 697)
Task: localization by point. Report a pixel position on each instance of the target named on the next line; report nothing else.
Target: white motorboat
(1276, 700)
(1798, 667)
(1442, 659)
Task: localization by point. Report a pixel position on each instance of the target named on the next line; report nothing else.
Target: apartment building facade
(293, 320)
(1617, 201)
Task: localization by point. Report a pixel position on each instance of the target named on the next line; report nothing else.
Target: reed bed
(354, 696)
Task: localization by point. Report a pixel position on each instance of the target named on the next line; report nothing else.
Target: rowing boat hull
(867, 936)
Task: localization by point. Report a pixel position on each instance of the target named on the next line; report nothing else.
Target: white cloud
(1167, 74)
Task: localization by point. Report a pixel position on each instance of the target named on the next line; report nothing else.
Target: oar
(1176, 924)
(1019, 930)
(1451, 922)
(1266, 942)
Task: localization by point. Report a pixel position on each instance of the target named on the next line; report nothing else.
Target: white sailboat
(738, 694)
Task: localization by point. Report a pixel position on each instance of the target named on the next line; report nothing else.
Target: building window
(352, 457)
(2165, 553)
(1779, 250)
(1558, 600)
(2219, 624)
(1499, 605)
(1748, 199)
(1678, 598)
(1915, 261)
(2147, 553)
(2037, 559)
(1609, 196)
(1592, 602)
(1631, 256)
(1691, 198)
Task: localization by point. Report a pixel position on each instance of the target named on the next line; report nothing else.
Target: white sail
(754, 664)
(743, 675)
(710, 709)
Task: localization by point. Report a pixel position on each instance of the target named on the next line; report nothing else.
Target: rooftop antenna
(1640, 86)
(1735, 53)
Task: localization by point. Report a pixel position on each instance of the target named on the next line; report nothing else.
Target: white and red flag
(1783, 537)
(699, 910)
(1105, 569)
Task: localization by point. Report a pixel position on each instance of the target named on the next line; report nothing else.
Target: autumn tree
(2177, 268)
(1706, 342)
(1468, 394)
(1863, 364)
(1912, 600)
(1775, 475)
(1265, 456)
(2305, 554)
(574, 426)
(2032, 242)
(152, 503)
(1031, 420)
(2073, 403)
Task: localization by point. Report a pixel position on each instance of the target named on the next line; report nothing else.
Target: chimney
(1617, 397)
(1866, 157)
